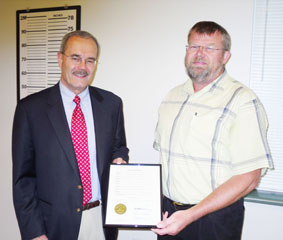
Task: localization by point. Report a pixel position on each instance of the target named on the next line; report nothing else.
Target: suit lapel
(97, 108)
(57, 117)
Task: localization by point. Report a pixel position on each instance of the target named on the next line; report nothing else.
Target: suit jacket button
(80, 187)
(78, 210)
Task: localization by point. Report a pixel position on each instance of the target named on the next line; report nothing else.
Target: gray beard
(198, 77)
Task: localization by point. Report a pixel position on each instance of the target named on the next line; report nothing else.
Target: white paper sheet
(134, 195)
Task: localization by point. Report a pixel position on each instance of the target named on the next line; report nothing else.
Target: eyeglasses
(77, 60)
(206, 49)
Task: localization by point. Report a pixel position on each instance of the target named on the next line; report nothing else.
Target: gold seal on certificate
(120, 208)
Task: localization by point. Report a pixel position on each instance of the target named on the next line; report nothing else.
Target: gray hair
(209, 28)
(78, 33)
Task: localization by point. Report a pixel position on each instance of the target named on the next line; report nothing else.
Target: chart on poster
(39, 34)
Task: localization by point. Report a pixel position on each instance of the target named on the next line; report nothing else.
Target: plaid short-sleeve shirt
(205, 138)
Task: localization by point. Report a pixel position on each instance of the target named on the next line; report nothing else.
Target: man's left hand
(119, 161)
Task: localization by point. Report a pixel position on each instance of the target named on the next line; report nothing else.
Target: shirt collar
(69, 95)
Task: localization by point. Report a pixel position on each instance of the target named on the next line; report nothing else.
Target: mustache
(80, 73)
(200, 58)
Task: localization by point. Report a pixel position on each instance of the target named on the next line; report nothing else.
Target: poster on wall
(39, 35)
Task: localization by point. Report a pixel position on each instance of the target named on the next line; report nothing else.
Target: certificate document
(134, 195)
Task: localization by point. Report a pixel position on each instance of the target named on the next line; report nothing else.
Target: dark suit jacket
(47, 199)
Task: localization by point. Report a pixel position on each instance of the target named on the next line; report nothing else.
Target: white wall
(143, 47)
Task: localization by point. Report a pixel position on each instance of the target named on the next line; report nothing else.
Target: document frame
(134, 196)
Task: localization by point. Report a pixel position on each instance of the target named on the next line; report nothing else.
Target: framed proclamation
(134, 196)
(39, 35)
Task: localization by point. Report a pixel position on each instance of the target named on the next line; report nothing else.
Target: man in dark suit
(48, 183)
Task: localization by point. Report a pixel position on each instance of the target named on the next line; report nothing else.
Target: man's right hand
(42, 237)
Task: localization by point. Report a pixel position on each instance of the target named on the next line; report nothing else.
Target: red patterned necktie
(79, 138)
